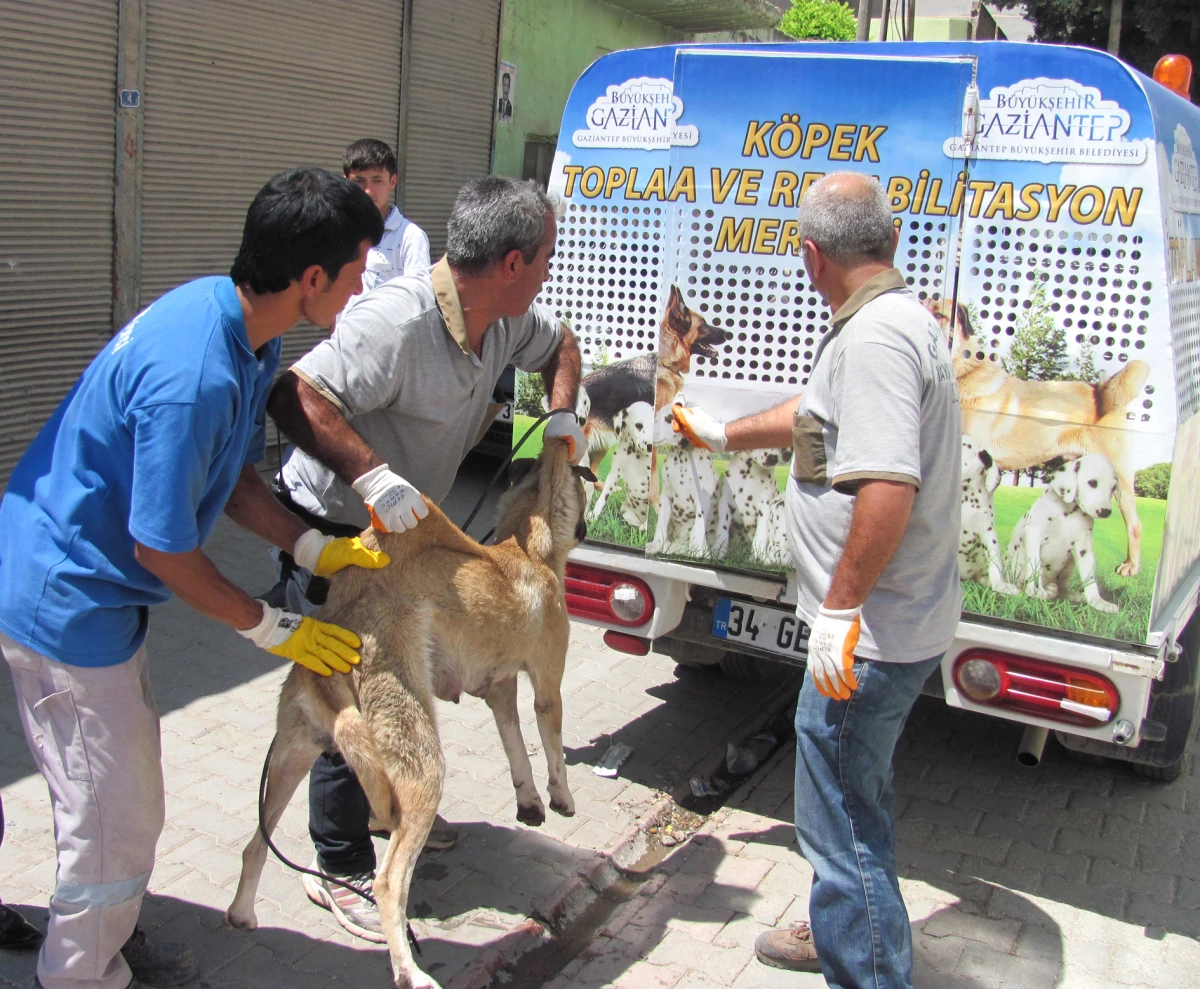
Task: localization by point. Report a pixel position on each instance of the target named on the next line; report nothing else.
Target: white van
(1048, 200)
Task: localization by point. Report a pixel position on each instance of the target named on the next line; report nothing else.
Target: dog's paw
(564, 807)
(416, 979)
(1106, 606)
(1004, 587)
(242, 921)
(1128, 569)
(534, 815)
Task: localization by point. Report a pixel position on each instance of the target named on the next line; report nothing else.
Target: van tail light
(1033, 686)
(608, 596)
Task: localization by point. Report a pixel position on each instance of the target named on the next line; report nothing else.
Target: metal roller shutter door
(452, 83)
(236, 92)
(58, 73)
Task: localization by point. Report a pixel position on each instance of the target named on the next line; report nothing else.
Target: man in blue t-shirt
(105, 515)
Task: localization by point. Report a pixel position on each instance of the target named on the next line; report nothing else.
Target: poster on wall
(506, 92)
(683, 278)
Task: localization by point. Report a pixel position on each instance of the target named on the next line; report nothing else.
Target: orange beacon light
(1175, 72)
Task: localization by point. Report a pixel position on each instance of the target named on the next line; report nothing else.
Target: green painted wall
(551, 42)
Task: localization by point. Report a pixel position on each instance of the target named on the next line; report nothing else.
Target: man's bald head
(848, 217)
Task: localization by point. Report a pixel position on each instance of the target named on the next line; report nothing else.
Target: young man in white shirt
(404, 250)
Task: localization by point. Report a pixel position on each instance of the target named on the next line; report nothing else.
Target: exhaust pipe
(1033, 741)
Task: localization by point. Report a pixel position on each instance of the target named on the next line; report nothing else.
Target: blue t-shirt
(146, 446)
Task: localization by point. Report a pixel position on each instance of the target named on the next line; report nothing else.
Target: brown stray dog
(1026, 423)
(655, 380)
(446, 615)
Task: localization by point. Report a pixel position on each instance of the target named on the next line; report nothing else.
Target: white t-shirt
(403, 250)
(881, 403)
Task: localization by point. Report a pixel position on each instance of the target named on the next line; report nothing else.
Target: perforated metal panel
(606, 277)
(1096, 284)
(1185, 339)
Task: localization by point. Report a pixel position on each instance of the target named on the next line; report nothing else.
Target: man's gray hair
(850, 222)
(494, 215)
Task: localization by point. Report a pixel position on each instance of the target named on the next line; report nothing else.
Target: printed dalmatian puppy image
(979, 556)
(630, 464)
(746, 493)
(687, 498)
(1053, 540)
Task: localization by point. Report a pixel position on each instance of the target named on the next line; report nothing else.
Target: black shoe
(16, 933)
(161, 965)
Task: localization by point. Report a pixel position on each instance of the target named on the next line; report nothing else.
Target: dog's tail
(1113, 394)
(356, 742)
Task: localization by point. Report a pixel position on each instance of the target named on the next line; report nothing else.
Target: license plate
(772, 629)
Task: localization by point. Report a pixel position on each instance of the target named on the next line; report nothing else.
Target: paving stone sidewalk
(217, 697)
(1069, 876)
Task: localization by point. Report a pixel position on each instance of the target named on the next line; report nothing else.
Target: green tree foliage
(819, 20)
(1149, 28)
(531, 389)
(1085, 367)
(1039, 347)
(1153, 481)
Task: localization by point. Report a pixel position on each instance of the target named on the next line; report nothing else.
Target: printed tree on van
(1039, 352)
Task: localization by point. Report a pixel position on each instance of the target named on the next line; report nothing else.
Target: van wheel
(741, 668)
(1160, 774)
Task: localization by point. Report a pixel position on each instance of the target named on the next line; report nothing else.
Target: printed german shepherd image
(650, 378)
(1027, 423)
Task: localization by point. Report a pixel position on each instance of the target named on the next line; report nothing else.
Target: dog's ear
(965, 329)
(1065, 482)
(675, 307)
(519, 469)
(579, 470)
(986, 458)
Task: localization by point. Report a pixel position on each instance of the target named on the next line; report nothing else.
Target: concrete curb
(612, 874)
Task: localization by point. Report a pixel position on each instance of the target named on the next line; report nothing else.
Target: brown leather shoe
(792, 949)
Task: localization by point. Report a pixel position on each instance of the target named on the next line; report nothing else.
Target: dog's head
(635, 427)
(959, 334)
(979, 471)
(665, 433)
(685, 332)
(1089, 483)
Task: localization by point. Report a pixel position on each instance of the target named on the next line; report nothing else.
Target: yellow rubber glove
(321, 647)
(831, 646)
(325, 555)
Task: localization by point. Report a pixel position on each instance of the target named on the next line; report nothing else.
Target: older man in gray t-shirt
(385, 411)
(873, 517)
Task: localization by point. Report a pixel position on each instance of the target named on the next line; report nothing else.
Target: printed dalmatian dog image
(746, 493)
(687, 497)
(979, 556)
(1053, 540)
(770, 535)
(631, 461)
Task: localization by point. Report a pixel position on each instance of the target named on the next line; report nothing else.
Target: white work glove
(395, 505)
(564, 426)
(318, 646)
(699, 428)
(831, 645)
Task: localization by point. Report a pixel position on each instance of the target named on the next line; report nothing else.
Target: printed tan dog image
(630, 464)
(1053, 540)
(1026, 423)
(655, 379)
(446, 616)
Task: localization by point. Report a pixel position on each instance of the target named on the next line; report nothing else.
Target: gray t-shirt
(882, 403)
(400, 370)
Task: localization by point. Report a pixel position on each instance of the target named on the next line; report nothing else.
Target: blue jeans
(844, 802)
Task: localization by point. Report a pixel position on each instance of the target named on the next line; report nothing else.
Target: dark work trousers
(338, 811)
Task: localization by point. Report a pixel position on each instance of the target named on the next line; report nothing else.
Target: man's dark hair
(302, 217)
(368, 153)
(492, 216)
(507, 75)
